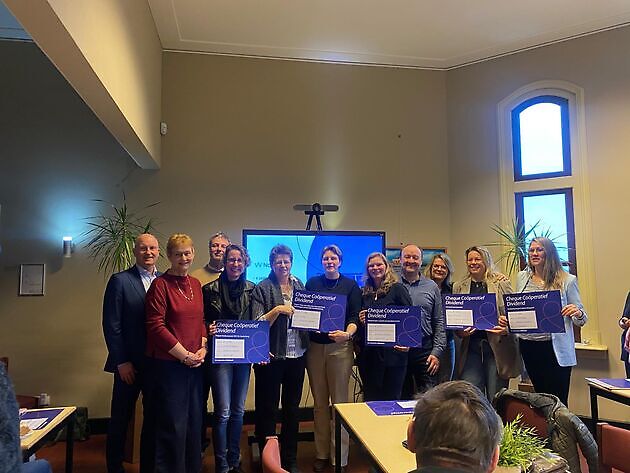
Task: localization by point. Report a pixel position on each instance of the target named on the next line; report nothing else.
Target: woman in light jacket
(487, 358)
(549, 357)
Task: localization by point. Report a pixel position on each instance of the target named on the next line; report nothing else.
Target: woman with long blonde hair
(382, 369)
(487, 358)
(549, 357)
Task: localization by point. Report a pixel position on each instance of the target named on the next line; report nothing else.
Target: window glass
(540, 137)
(552, 214)
(549, 213)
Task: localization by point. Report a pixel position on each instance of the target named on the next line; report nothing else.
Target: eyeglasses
(281, 262)
(234, 260)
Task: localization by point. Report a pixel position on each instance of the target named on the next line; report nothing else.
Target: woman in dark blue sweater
(330, 357)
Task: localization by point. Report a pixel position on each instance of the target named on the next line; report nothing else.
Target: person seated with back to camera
(10, 451)
(454, 429)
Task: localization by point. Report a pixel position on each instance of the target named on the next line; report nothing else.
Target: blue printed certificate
(392, 408)
(534, 312)
(393, 325)
(241, 341)
(320, 311)
(470, 310)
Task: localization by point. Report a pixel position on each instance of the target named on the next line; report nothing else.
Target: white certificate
(407, 404)
(381, 332)
(229, 348)
(523, 319)
(462, 317)
(302, 318)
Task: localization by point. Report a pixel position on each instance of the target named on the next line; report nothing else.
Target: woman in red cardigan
(176, 346)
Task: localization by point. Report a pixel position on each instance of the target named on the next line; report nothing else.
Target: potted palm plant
(111, 235)
(513, 242)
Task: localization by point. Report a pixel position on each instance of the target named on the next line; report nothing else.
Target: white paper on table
(33, 424)
(229, 348)
(407, 404)
(523, 320)
(381, 332)
(302, 318)
(463, 317)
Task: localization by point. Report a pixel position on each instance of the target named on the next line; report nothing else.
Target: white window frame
(578, 182)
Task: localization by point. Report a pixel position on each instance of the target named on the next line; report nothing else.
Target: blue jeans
(36, 466)
(480, 369)
(229, 391)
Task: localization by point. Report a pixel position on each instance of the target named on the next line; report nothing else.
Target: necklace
(192, 294)
(331, 283)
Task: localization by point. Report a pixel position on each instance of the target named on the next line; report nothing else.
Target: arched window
(541, 138)
(543, 176)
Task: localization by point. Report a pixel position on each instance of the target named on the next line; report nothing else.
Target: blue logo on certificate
(470, 310)
(241, 341)
(320, 311)
(534, 312)
(393, 325)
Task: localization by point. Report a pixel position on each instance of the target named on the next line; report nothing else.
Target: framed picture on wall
(392, 253)
(32, 279)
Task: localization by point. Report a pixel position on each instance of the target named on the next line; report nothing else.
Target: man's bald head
(411, 261)
(146, 250)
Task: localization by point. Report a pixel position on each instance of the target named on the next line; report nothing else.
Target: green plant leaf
(513, 241)
(110, 237)
(520, 444)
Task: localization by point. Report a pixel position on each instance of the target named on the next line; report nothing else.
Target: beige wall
(596, 64)
(247, 140)
(111, 54)
(55, 157)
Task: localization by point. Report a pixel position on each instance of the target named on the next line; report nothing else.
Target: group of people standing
(159, 345)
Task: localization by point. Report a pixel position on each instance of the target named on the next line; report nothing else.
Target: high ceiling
(436, 34)
(432, 34)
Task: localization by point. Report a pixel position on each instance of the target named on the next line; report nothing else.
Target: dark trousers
(124, 398)
(417, 378)
(176, 395)
(288, 375)
(206, 368)
(543, 369)
(381, 382)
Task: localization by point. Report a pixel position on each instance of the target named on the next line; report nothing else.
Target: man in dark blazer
(125, 336)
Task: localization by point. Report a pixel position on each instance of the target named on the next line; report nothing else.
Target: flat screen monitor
(307, 247)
